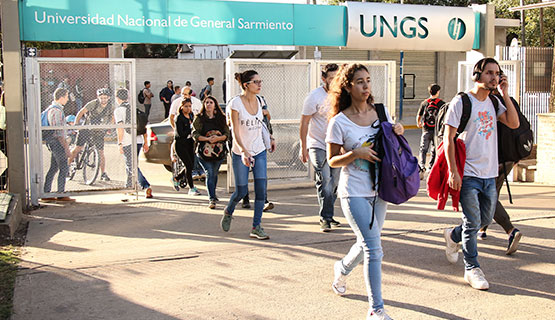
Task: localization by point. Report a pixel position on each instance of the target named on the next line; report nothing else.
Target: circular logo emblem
(456, 29)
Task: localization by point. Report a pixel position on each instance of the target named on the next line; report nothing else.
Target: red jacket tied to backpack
(438, 179)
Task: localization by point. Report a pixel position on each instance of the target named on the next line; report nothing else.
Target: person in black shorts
(96, 112)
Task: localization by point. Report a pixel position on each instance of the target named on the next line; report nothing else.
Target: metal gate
(510, 68)
(96, 93)
(286, 85)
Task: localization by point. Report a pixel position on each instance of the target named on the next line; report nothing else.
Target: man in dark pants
(426, 119)
(148, 97)
(166, 97)
(57, 144)
(502, 217)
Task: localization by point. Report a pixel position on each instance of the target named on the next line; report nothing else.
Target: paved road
(166, 258)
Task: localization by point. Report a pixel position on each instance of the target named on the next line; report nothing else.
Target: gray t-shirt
(148, 95)
(316, 105)
(479, 136)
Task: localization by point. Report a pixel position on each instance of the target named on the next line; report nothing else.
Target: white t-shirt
(119, 117)
(250, 128)
(316, 105)
(479, 136)
(355, 179)
(195, 106)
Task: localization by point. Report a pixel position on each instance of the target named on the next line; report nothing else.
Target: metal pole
(401, 82)
(522, 25)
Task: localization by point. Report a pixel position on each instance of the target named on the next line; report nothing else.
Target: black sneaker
(246, 204)
(325, 226)
(335, 223)
(514, 239)
(104, 177)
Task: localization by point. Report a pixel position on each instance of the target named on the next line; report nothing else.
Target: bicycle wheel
(91, 165)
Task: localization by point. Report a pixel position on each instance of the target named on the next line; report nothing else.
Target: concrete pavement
(166, 258)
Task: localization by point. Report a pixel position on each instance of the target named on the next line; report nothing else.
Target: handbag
(266, 137)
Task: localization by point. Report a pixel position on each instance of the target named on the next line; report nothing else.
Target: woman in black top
(184, 146)
(210, 131)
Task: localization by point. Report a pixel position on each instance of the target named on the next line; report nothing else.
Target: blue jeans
(368, 247)
(241, 173)
(212, 168)
(58, 163)
(326, 179)
(478, 200)
(198, 169)
(142, 180)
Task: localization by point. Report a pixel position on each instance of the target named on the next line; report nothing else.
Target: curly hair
(338, 97)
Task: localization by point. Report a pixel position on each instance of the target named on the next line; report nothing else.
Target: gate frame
(514, 82)
(314, 82)
(32, 115)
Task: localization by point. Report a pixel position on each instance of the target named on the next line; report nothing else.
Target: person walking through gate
(57, 144)
(210, 131)
(122, 115)
(426, 119)
(314, 123)
(248, 150)
(166, 96)
(185, 146)
(477, 185)
(353, 128)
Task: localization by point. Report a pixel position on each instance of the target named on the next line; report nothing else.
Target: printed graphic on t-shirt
(251, 124)
(484, 124)
(361, 164)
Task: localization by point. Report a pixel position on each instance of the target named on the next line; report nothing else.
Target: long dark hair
(245, 77)
(338, 97)
(186, 100)
(218, 113)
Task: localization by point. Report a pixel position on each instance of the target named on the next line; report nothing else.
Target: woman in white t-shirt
(248, 150)
(350, 140)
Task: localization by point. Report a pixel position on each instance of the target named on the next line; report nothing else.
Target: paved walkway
(166, 258)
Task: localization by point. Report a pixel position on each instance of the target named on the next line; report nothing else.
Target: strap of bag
(380, 110)
(467, 108)
(507, 183)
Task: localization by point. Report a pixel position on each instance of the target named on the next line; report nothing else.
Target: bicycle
(88, 160)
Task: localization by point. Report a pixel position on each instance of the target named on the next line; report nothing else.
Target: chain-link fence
(285, 86)
(81, 122)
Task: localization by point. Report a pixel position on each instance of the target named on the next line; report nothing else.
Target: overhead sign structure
(410, 27)
(182, 21)
(369, 26)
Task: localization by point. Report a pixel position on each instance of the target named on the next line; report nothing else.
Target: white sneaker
(451, 247)
(377, 315)
(194, 192)
(339, 284)
(476, 279)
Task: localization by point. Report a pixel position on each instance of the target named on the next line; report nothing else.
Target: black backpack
(141, 119)
(141, 97)
(431, 111)
(514, 144)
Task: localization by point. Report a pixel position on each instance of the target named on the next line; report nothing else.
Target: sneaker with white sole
(194, 192)
(451, 247)
(476, 279)
(377, 315)
(339, 284)
(259, 233)
(514, 239)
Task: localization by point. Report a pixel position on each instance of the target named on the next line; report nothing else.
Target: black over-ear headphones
(479, 67)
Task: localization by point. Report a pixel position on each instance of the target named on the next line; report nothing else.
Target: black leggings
(501, 216)
(185, 151)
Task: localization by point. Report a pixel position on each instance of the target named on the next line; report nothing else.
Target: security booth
(367, 26)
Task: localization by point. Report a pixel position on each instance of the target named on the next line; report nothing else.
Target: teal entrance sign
(182, 21)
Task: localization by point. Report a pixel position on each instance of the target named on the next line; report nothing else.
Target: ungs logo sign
(456, 29)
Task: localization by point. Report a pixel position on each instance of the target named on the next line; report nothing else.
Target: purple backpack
(398, 179)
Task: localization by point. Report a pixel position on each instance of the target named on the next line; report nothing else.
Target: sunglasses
(257, 82)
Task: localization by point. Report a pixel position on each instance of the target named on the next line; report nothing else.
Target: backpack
(398, 179)
(514, 144)
(201, 95)
(431, 111)
(142, 120)
(46, 134)
(141, 97)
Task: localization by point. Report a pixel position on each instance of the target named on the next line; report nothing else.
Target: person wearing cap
(96, 112)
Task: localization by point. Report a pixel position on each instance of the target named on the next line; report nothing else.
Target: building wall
(546, 149)
(159, 71)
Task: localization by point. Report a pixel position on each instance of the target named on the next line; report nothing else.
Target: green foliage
(151, 51)
(8, 270)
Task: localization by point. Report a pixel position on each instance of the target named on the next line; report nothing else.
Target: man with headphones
(478, 194)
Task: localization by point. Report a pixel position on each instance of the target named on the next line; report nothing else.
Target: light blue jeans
(143, 182)
(241, 173)
(368, 247)
(478, 201)
(326, 179)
